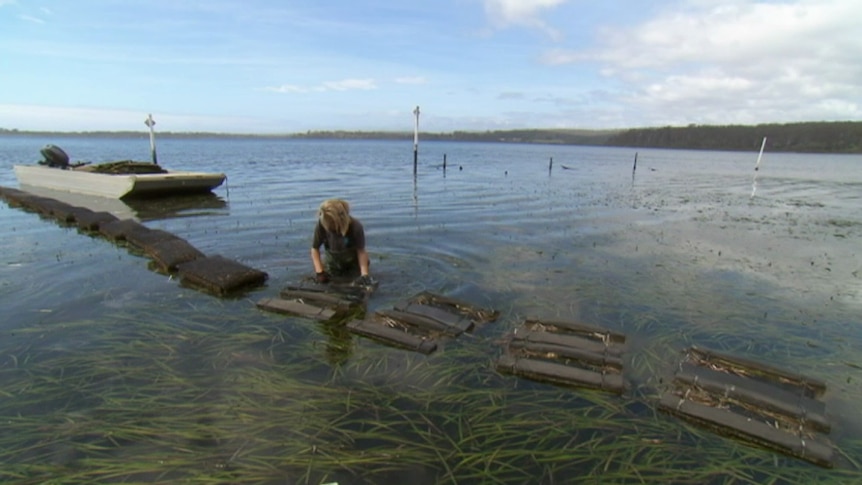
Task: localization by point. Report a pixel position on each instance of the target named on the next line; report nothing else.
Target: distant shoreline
(808, 137)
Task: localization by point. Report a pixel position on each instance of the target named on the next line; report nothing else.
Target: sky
(288, 66)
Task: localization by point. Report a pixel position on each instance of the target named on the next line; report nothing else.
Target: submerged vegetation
(200, 398)
(214, 392)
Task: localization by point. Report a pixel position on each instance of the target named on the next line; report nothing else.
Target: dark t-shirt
(336, 244)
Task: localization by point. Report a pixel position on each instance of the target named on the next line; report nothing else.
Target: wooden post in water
(444, 162)
(550, 165)
(416, 140)
(757, 168)
(635, 166)
(151, 123)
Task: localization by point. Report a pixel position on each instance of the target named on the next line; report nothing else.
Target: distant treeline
(556, 136)
(813, 137)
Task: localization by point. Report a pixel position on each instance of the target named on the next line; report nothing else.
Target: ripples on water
(674, 254)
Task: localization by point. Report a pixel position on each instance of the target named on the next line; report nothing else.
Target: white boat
(117, 180)
(117, 186)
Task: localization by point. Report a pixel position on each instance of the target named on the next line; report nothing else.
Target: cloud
(745, 31)
(350, 84)
(30, 18)
(65, 118)
(343, 85)
(411, 80)
(523, 13)
(38, 117)
(740, 58)
(511, 95)
(287, 88)
(27, 17)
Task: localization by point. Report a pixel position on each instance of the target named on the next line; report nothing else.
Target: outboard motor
(54, 157)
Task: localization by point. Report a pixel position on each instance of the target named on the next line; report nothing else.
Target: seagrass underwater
(110, 371)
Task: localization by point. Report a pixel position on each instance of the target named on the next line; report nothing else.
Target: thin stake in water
(150, 123)
(416, 139)
(757, 168)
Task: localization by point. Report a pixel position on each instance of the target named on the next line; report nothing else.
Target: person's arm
(315, 260)
(316, 242)
(362, 257)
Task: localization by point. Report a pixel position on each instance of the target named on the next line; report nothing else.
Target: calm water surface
(112, 372)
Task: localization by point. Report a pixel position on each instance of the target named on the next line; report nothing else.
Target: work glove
(322, 277)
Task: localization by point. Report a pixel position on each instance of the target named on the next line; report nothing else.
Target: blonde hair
(334, 216)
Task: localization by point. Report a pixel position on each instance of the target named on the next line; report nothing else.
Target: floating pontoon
(566, 353)
(418, 323)
(321, 302)
(751, 401)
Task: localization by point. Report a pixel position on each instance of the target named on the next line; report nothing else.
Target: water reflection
(415, 197)
(339, 342)
(191, 205)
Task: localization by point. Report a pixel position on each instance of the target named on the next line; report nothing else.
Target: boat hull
(118, 186)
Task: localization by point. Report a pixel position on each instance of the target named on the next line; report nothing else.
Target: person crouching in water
(344, 239)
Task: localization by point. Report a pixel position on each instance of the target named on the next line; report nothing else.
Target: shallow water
(675, 253)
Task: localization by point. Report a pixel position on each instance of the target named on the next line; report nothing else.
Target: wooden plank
(392, 336)
(730, 423)
(772, 398)
(296, 307)
(421, 322)
(567, 341)
(453, 320)
(815, 386)
(477, 314)
(322, 297)
(560, 374)
(565, 352)
(579, 327)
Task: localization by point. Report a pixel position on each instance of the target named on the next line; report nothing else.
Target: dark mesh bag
(91, 221)
(120, 229)
(169, 254)
(144, 239)
(220, 275)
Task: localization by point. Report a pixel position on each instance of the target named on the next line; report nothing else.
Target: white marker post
(416, 140)
(757, 168)
(151, 123)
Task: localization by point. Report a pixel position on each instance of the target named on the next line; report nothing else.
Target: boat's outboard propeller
(54, 157)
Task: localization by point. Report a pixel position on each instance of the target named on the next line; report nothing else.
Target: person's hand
(322, 277)
(364, 280)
